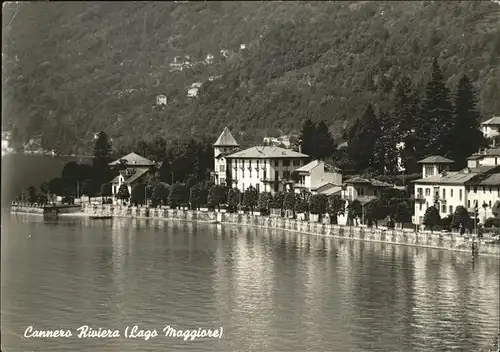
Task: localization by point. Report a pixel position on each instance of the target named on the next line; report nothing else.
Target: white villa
(491, 127)
(488, 157)
(471, 188)
(319, 177)
(268, 169)
(135, 169)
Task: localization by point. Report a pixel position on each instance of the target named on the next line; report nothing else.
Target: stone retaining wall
(449, 241)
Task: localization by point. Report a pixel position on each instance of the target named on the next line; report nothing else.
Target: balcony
(419, 197)
(268, 180)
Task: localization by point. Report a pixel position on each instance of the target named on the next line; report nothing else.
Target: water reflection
(271, 290)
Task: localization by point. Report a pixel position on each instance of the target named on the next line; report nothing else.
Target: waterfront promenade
(408, 237)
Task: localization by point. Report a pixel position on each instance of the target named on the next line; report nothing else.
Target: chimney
(300, 148)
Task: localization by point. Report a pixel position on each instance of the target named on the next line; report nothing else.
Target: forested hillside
(74, 68)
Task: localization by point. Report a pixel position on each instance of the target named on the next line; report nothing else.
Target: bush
(492, 222)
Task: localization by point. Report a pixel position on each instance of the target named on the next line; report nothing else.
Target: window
(265, 162)
(276, 163)
(223, 181)
(286, 162)
(460, 194)
(419, 190)
(451, 193)
(468, 203)
(265, 174)
(276, 175)
(489, 203)
(496, 161)
(243, 187)
(296, 162)
(250, 172)
(222, 168)
(451, 209)
(420, 206)
(427, 191)
(429, 171)
(243, 172)
(286, 174)
(257, 186)
(276, 187)
(443, 208)
(475, 189)
(444, 193)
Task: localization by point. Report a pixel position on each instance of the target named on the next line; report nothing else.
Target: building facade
(318, 177)
(268, 169)
(470, 188)
(491, 128)
(132, 169)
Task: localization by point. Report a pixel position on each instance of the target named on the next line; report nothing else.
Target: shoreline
(449, 241)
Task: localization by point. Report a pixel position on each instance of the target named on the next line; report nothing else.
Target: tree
(217, 195)
(362, 138)
(335, 206)
(324, 143)
(101, 159)
(44, 188)
(318, 204)
(278, 199)
(195, 196)
(431, 217)
(460, 216)
(374, 211)
(32, 196)
(160, 194)
(403, 212)
(466, 136)
(138, 194)
(55, 186)
(178, 195)
(405, 109)
(307, 137)
(123, 192)
(301, 204)
(435, 120)
(289, 202)
(165, 171)
(386, 154)
(354, 211)
(264, 202)
(233, 199)
(250, 197)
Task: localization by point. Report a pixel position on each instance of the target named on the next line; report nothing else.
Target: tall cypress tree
(362, 138)
(324, 142)
(307, 138)
(435, 120)
(385, 152)
(404, 113)
(101, 160)
(466, 136)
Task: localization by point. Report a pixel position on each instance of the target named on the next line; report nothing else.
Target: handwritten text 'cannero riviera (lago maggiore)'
(132, 332)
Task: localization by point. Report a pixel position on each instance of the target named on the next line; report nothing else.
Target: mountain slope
(72, 69)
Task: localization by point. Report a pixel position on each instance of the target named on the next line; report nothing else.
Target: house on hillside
(486, 157)
(132, 169)
(491, 128)
(193, 90)
(161, 100)
(471, 188)
(318, 177)
(265, 168)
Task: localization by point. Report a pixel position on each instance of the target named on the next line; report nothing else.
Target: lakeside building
(363, 190)
(471, 188)
(318, 177)
(134, 169)
(268, 169)
(491, 128)
(487, 157)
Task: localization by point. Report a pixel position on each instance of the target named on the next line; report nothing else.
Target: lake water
(269, 290)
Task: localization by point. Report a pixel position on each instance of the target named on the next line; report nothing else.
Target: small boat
(102, 217)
